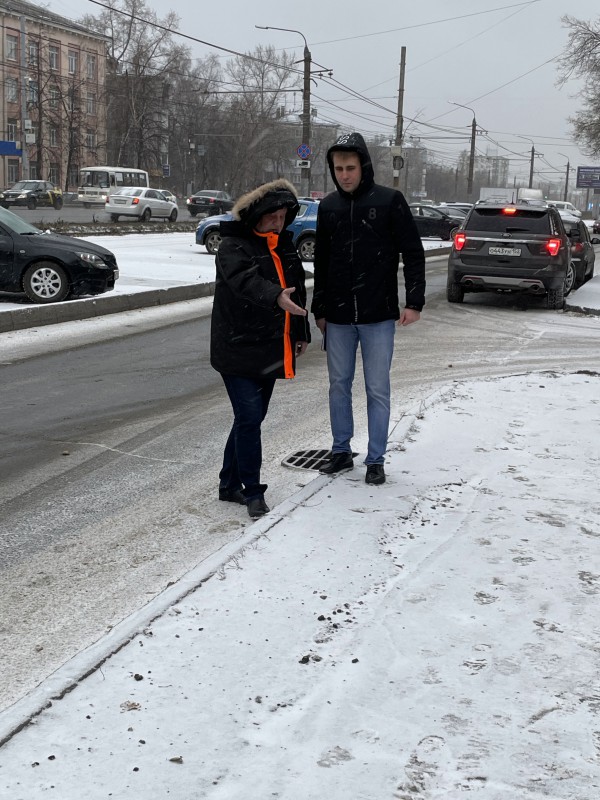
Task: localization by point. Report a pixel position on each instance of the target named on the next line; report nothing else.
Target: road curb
(37, 316)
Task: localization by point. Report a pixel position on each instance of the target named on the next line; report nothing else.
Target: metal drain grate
(308, 459)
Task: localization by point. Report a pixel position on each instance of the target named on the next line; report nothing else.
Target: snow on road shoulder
(433, 636)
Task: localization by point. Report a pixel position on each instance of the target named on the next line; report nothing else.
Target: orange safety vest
(272, 240)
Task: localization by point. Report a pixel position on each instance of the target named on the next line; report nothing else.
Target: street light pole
(472, 153)
(566, 192)
(305, 178)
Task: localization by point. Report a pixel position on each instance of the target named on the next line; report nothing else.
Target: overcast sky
(494, 56)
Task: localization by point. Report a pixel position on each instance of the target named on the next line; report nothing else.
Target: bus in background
(97, 182)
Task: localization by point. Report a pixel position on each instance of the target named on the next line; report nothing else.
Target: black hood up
(265, 199)
(353, 143)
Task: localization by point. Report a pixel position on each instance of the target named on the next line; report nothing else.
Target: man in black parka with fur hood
(259, 326)
(362, 229)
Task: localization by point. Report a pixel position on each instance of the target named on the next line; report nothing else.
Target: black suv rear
(511, 248)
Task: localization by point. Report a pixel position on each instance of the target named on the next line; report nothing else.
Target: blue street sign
(304, 151)
(166, 168)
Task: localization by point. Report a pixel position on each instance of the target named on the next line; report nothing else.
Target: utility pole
(397, 160)
(531, 166)
(305, 174)
(567, 182)
(472, 154)
(305, 181)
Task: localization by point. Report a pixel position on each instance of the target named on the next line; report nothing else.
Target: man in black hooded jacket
(362, 229)
(258, 328)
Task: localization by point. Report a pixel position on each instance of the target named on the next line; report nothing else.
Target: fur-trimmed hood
(269, 197)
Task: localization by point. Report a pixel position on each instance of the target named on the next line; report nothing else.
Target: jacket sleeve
(239, 271)
(413, 255)
(300, 325)
(321, 265)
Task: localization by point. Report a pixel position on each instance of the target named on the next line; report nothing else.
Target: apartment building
(52, 96)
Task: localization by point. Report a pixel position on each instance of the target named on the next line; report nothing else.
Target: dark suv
(32, 194)
(511, 248)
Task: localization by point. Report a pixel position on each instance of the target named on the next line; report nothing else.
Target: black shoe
(257, 507)
(375, 474)
(339, 462)
(232, 496)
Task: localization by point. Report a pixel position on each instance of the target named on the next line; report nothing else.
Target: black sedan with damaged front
(48, 267)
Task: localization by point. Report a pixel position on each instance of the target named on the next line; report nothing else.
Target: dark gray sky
(495, 56)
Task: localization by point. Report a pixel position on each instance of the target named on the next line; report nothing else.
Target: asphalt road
(111, 450)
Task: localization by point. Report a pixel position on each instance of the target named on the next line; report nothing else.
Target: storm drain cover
(308, 459)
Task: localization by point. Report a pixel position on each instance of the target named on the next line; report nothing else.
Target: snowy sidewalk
(430, 638)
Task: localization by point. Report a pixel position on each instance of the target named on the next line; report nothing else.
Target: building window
(11, 90)
(72, 62)
(53, 97)
(90, 139)
(12, 170)
(33, 53)
(54, 173)
(91, 67)
(11, 130)
(53, 137)
(91, 103)
(53, 57)
(32, 95)
(32, 171)
(12, 47)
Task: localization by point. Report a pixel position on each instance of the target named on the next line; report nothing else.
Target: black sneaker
(375, 474)
(257, 507)
(339, 462)
(232, 496)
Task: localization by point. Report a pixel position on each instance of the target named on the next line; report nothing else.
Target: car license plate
(505, 251)
(119, 202)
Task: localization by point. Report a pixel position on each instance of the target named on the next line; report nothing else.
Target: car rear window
(494, 219)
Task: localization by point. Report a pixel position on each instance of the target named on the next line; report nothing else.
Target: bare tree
(143, 58)
(581, 59)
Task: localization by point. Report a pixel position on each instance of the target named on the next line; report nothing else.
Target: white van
(562, 205)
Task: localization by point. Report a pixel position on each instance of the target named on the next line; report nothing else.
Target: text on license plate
(121, 202)
(505, 251)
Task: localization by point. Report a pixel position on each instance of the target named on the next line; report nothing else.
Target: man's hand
(301, 348)
(321, 324)
(408, 316)
(285, 301)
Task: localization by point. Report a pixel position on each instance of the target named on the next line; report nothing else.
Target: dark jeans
(242, 459)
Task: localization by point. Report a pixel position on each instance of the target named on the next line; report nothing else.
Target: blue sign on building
(9, 149)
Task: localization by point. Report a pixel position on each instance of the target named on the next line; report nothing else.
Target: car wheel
(454, 292)
(579, 279)
(114, 217)
(57, 203)
(193, 213)
(31, 203)
(306, 248)
(556, 298)
(87, 205)
(569, 279)
(212, 242)
(146, 214)
(173, 215)
(454, 231)
(46, 282)
(591, 274)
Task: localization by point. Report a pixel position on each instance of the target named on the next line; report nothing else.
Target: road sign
(166, 170)
(303, 164)
(304, 151)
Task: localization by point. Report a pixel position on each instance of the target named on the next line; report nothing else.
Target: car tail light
(577, 247)
(107, 199)
(135, 201)
(459, 241)
(509, 210)
(553, 246)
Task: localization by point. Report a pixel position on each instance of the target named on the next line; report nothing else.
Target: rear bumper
(477, 278)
